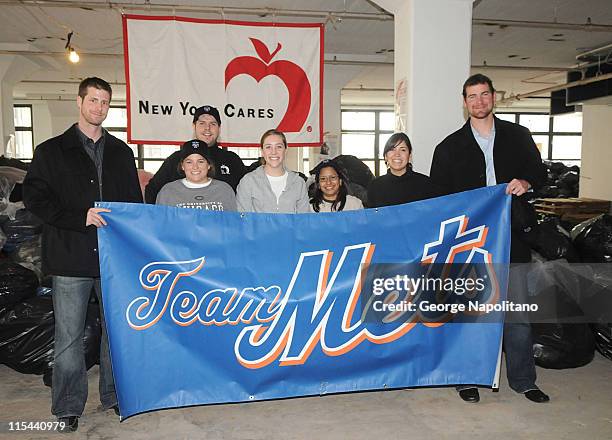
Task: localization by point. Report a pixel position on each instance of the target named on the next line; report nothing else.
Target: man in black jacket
(206, 127)
(68, 174)
(488, 151)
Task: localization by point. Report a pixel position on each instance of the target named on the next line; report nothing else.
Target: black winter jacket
(459, 165)
(390, 189)
(60, 187)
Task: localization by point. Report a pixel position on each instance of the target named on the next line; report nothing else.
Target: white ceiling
(525, 44)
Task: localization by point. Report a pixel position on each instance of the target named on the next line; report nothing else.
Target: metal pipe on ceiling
(220, 9)
(542, 68)
(543, 25)
(594, 51)
(329, 62)
(556, 88)
(367, 89)
(274, 12)
(58, 54)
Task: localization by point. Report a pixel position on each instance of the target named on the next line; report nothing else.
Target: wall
(596, 152)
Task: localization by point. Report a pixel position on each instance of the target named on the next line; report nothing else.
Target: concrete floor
(581, 408)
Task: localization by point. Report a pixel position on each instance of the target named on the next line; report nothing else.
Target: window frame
(550, 133)
(25, 128)
(376, 132)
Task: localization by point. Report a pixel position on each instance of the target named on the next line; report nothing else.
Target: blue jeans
(520, 364)
(69, 388)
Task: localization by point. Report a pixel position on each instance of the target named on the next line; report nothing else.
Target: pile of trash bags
(27, 323)
(16, 283)
(20, 230)
(562, 181)
(571, 281)
(593, 239)
(27, 333)
(26, 303)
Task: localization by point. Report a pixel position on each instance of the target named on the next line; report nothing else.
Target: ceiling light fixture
(73, 56)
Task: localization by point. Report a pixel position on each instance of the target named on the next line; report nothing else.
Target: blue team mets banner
(209, 307)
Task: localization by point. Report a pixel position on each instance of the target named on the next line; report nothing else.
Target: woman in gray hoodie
(271, 187)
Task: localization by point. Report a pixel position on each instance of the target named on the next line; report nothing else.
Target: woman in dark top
(400, 184)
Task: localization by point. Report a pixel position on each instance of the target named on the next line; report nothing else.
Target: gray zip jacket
(254, 194)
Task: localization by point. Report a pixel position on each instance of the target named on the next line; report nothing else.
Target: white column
(7, 121)
(13, 68)
(336, 77)
(63, 114)
(596, 152)
(432, 61)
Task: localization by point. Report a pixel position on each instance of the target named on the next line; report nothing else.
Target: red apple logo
(291, 74)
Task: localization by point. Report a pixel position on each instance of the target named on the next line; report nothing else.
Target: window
(559, 138)
(148, 157)
(250, 155)
(116, 123)
(24, 131)
(306, 160)
(364, 133)
(247, 154)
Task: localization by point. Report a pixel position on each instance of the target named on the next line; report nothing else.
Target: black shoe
(537, 396)
(68, 424)
(116, 409)
(470, 395)
(47, 378)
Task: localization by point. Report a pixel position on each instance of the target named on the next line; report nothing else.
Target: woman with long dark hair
(331, 190)
(400, 184)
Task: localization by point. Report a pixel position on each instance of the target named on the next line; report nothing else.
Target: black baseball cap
(194, 146)
(207, 110)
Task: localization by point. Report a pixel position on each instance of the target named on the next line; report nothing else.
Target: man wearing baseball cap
(206, 127)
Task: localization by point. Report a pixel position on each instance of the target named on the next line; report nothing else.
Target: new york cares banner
(209, 307)
(259, 76)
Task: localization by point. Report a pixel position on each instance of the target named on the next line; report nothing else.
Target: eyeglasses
(325, 179)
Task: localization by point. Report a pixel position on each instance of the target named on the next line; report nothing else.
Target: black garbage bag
(25, 227)
(15, 163)
(568, 184)
(560, 346)
(562, 337)
(356, 170)
(27, 331)
(556, 168)
(548, 191)
(603, 339)
(567, 193)
(29, 255)
(16, 283)
(2, 238)
(568, 179)
(593, 239)
(553, 242)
